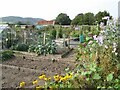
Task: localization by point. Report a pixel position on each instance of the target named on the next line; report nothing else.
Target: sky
(49, 9)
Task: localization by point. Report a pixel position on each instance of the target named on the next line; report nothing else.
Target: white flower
(39, 45)
(90, 42)
(95, 37)
(100, 39)
(101, 31)
(90, 49)
(116, 54)
(114, 45)
(114, 49)
(106, 46)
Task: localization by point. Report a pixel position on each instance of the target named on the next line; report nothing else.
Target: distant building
(39, 27)
(46, 23)
(25, 26)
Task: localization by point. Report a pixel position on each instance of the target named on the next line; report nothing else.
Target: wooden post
(64, 40)
(44, 38)
(69, 41)
(25, 36)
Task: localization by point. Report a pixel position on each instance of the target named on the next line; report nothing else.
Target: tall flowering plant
(98, 61)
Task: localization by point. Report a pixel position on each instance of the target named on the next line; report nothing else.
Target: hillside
(16, 19)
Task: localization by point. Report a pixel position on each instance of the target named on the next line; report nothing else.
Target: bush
(75, 34)
(21, 47)
(53, 34)
(60, 33)
(48, 48)
(8, 54)
(31, 48)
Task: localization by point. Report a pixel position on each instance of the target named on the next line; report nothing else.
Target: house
(46, 23)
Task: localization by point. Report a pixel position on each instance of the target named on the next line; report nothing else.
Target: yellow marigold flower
(71, 74)
(45, 79)
(35, 82)
(60, 77)
(56, 78)
(49, 78)
(67, 76)
(42, 77)
(38, 87)
(22, 84)
(63, 79)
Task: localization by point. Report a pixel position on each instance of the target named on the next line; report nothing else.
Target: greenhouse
(7, 36)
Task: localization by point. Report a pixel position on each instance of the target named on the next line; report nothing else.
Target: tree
(100, 15)
(78, 20)
(89, 18)
(63, 19)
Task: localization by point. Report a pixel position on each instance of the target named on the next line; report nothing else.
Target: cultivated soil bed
(27, 67)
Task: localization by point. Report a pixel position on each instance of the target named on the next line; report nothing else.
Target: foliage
(78, 20)
(97, 65)
(48, 48)
(98, 60)
(8, 36)
(59, 33)
(7, 54)
(53, 34)
(75, 33)
(63, 19)
(100, 15)
(89, 19)
(84, 19)
(31, 48)
(21, 47)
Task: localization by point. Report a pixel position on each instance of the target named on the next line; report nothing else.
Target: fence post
(44, 37)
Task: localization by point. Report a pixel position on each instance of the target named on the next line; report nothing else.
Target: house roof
(45, 22)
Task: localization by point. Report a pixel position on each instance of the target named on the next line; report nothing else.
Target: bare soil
(27, 67)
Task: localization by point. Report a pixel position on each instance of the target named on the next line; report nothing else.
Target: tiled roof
(44, 22)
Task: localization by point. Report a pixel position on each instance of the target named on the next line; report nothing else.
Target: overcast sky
(49, 9)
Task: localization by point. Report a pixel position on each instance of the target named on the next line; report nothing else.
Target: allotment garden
(36, 60)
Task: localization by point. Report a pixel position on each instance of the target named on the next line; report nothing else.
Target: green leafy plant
(7, 54)
(21, 47)
(31, 48)
(48, 48)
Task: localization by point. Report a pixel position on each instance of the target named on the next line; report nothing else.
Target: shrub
(60, 33)
(75, 34)
(21, 47)
(53, 34)
(8, 54)
(48, 48)
(31, 48)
